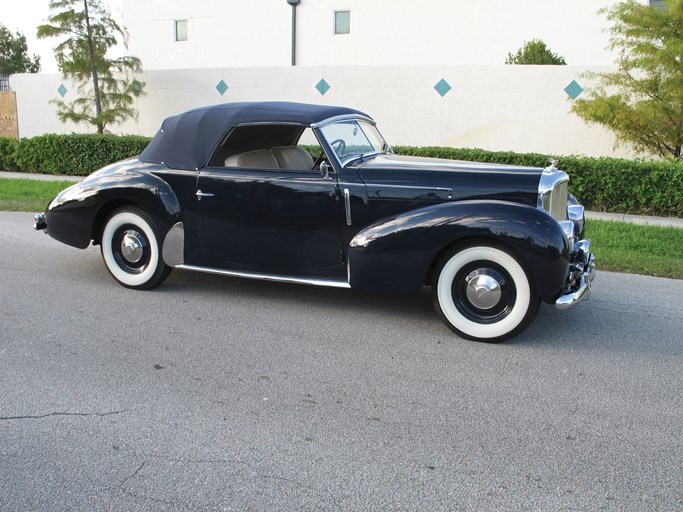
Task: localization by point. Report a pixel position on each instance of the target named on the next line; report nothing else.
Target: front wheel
(130, 250)
(483, 293)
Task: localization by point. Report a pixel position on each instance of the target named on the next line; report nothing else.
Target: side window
(309, 142)
(268, 147)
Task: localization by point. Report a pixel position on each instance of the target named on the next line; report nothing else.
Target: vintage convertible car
(231, 189)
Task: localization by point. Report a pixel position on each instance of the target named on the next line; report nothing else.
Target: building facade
(177, 34)
(431, 73)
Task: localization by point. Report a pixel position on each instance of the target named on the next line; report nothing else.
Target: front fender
(397, 254)
(74, 215)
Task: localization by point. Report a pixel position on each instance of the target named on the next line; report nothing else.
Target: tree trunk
(93, 63)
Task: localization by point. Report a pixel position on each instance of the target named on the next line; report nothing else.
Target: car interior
(265, 147)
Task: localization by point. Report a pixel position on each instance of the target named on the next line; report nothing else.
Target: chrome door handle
(201, 194)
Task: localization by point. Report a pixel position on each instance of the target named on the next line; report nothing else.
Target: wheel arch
(103, 214)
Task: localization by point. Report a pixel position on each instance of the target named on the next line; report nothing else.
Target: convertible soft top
(188, 140)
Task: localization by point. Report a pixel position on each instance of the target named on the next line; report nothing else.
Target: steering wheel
(339, 146)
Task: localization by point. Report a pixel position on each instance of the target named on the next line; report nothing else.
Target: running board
(335, 283)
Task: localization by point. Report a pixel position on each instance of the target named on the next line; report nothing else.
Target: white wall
(515, 108)
(236, 33)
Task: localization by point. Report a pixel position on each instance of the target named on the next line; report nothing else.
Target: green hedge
(7, 151)
(603, 184)
(76, 154)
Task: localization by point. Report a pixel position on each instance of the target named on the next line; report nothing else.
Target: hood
(393, 176)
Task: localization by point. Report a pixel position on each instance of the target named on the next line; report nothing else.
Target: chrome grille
(552, 193)
(558, 201)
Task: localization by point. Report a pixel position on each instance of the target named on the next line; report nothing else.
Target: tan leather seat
(257, 159)
(293, 157)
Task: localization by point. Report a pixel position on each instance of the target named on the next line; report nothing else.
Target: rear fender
(397, 254)
(76, 215)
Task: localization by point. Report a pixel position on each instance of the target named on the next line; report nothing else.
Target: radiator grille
(558, 201)
(552, 193)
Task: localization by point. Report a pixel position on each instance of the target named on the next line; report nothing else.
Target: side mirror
(325, 170)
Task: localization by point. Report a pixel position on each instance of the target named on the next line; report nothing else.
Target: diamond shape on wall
(322, 86)
(573, 89)
(222, 87)
(62, 90)
(442, 87)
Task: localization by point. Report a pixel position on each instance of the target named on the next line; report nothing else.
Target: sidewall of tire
(156, 270)
(522, 312)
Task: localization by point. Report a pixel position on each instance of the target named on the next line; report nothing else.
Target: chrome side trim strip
(173, 248)
(270, 277)
(411, 187)
(347, 206)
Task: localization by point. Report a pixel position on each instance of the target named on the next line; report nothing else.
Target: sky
(26, 15)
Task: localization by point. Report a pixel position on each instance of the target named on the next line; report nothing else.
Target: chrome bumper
(39, 222)
(581, 274)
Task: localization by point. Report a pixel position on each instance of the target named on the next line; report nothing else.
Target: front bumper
(580, 277)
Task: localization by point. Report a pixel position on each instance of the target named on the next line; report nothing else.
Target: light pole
(293, 3)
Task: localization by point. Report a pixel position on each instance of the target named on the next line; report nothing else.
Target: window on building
(658, 3)
(342, 22)
(180, 30)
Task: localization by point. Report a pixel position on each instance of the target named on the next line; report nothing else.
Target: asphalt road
(213, 393)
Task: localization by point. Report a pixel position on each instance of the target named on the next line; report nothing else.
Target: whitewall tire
(483, 293)
(130, 249)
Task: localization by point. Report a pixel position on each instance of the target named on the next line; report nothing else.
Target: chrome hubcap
(132, 246)
(483, 291)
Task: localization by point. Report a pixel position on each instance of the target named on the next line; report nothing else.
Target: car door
(277, 221)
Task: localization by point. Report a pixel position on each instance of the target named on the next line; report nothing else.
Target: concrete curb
(619, 217)
(642, 220)
(39, 177)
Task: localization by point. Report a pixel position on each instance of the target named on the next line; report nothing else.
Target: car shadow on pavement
(600, 324)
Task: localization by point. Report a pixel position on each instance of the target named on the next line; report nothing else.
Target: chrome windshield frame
(346, 117)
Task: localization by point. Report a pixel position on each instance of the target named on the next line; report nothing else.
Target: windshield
(353, 138)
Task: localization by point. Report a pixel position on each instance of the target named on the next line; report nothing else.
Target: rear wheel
(483, 293)
(130, 249)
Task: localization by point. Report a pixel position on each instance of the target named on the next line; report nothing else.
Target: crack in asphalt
(254, 469)
(123, 482)
(156, 500)
(37, 417)
(295, 482)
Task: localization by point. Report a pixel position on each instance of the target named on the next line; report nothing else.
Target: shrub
(7, 151)
(75, 154)
(603, 184)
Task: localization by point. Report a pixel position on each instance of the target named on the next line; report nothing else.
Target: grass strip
(648, 250)
(618, 246)
(26, 195)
